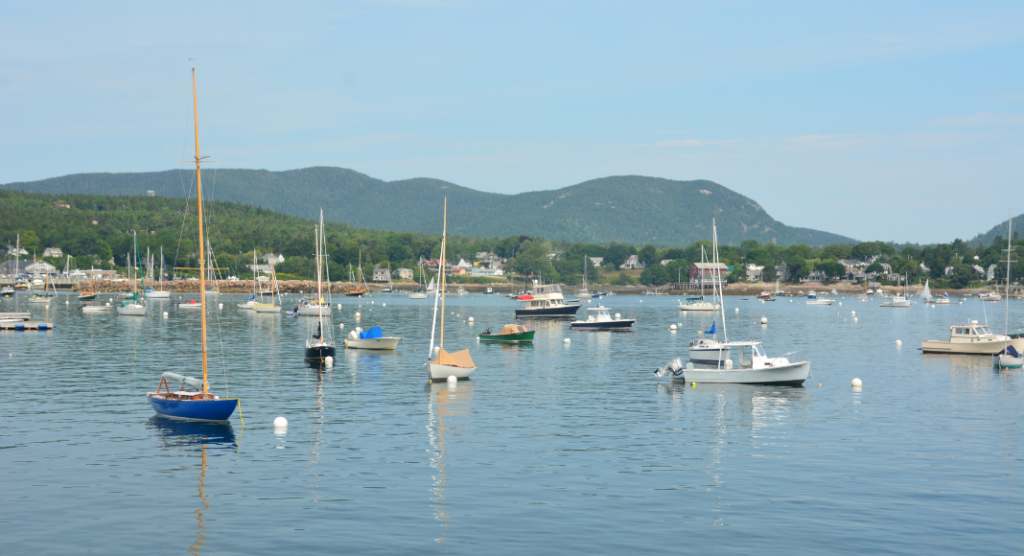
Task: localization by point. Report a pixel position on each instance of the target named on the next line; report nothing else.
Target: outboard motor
(674, 366)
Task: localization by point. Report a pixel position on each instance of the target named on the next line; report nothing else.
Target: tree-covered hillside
(999, 230)
(627, 209)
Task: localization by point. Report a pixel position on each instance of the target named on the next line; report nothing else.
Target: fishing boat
(373, 338)
(600, 318)
(460, 291)
(7, 291)
(991, 296)
(320, 346)
(944, 300)
(489, 291)
(813, 299)
(509, 334)
(360, 289)
(193, 399)
(134, 305)
(160, 293)
(1008, 357)
(766, 296)
(973, 339)
(444, 365)
(897, 301)
(711, 360)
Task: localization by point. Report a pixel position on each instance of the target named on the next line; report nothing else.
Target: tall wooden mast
(441, 283)
(202, 243)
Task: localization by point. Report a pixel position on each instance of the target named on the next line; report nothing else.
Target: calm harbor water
(551, 448)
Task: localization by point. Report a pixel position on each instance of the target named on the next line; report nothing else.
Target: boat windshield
(553, 288)
(759, 351)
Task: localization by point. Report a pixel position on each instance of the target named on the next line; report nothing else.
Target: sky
(896, 121)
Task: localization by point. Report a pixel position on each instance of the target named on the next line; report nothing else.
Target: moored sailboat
(320, 346)
(444, 365)
(193, 399)
(134, 305)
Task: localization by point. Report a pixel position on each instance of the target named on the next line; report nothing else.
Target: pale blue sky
(891, 120)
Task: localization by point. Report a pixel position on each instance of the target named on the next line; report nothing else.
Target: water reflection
(452, 402)
(192, 436)
(318, 431)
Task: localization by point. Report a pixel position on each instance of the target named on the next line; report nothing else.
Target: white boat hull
(702, 307)
(417, 296)
(820, 301)
(791, 374)
(979, 346)
(132, 311)
(373, 343)
(159, 295)
(266, 308)
(895, 304)
(313, 311)
(95, 308)
(436, 371)
(39, 300)
(709, 354)
(247, 306)
(1009, 362)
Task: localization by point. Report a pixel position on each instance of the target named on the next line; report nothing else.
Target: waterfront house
(380, 275)
(633, 262)
(754, 272)
(273, 259)
(12, 250)
(53, 252)
(404, 274)
(815, 276)
(707, 273)
(598, 261)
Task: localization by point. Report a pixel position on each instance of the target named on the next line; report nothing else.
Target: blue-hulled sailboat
(193, 400)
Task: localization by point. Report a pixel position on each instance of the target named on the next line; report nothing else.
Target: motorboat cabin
(546, 301)
(973, 339)
(600, 318)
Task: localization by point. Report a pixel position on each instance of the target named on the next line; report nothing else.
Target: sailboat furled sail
(926, 293)
(444, 364)
(189, 401)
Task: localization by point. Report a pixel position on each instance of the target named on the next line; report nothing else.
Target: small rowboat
(510, 334)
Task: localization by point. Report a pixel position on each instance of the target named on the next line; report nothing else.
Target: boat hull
(95, 308)
(373, 343)
(621, 324)
(132, 311)
(709, 354)
(319, 353)
(895, 305)
(417, 296)
(87, 297)
(522, 338)
(159, 295)
(314, 311)
(560, 311)
(438, 372)
(200, 410)
(982, 346)
(1005, 361)
(821, 302)
(793, 374)
(700, 307)
(266, 308)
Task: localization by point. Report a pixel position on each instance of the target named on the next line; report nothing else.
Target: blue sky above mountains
(873, 120)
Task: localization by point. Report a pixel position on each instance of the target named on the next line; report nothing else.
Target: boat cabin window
(961, 331)
(758, 351)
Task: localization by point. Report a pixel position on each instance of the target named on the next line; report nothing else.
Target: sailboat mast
(442, 280)
(718, 279)
(1009, 252)
(202, 242)
(319, 289)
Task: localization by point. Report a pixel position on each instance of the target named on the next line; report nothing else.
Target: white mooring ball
(341, 325)
(66, 302)
(764, 319)
(165, 314)
(567, 341)
(854, 319)
(452, 379)
(329, 361)
(672, 327)
(280, 423)
(220, 305)
(853, 313)
(899, 343)
(737, 309)
(358, 316)
(383, 304)
(856, 383)
(470, 319)
(840, 303)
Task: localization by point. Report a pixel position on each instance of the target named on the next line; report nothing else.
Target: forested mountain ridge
(628, 209)
(999, 231)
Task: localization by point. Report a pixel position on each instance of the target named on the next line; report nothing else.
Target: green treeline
(98, 229)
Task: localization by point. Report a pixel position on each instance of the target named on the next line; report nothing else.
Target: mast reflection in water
(453, 402)
(195, 436)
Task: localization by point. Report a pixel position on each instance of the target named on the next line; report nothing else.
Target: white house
(53, 252)
(598, 261)
(273, 258)
(754, 272)
(633, 262)
(464, 264)
(380, 274)
(404, 274)
(12, 250)
(39, 267)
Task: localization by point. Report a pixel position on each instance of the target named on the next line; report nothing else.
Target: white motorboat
(95, 308)
(373, 338)
(193, 304)
(697, 304)
(440, 364)
(247, 304)
(944, 300)
(991, 296)
(418, 295)
(973, 339)
(752, 367)
(896, 301)
(813, 299)
(600, 318)
(711, 360)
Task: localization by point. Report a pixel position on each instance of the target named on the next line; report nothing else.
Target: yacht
(973, 339)
(697, 304)
(753, 367)
(546, 301)
(813, 299)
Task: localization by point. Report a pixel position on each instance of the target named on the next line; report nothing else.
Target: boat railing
(793, 356)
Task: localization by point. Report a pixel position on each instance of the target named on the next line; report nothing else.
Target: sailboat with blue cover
(192, 399)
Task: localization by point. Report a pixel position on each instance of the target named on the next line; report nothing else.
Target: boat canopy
(457, 359)
(513, 329)
(184, 380)
(371, 334)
